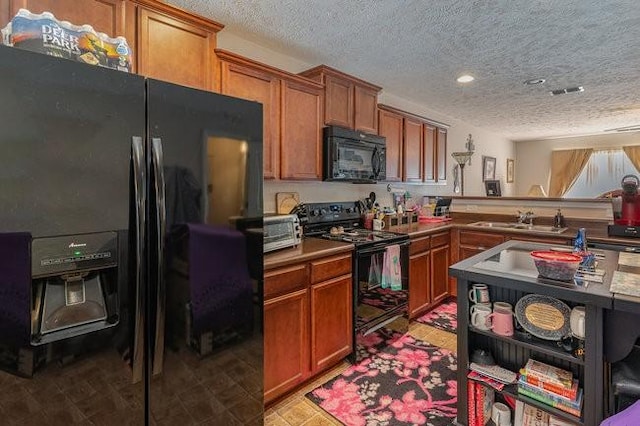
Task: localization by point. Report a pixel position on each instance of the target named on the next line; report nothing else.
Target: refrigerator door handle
(139, 194)
(157, 163)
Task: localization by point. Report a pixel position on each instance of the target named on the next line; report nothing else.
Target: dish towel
(391, 268)
(15, 288)
(375, 271)
(220, 286)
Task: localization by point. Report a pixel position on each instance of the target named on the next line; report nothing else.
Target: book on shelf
(484, 402)
(555, 421)
(471, 402)
(533, 416)
(518, 413)
(550, 387)
(548, 373)
(544, 397)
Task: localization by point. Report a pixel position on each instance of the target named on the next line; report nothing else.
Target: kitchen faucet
(526, 216)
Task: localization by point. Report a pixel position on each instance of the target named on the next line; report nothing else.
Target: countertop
(309, 248)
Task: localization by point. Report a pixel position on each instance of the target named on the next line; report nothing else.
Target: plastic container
(556, 265)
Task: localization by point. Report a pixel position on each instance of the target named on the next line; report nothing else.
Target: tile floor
(298, 410)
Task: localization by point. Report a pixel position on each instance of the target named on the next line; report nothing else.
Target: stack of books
(551, 385)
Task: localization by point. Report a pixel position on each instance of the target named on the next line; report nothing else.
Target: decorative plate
(543, 316)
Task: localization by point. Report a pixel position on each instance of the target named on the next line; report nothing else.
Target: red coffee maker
(630, 211)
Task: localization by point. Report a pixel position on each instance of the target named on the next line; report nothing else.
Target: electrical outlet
(472, 208)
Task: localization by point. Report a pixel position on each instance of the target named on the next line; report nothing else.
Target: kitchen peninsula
(510, 274)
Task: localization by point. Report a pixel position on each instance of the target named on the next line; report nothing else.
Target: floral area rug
(443, 317)
(406, 382)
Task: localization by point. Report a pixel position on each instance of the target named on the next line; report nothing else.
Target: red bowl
(556, 265)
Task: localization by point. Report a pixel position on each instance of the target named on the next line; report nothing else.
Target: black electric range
(380, 295)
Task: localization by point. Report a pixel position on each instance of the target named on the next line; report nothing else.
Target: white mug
(378, 224)
(480, 316)
(501, 414)
(479, 293)
(576, 321)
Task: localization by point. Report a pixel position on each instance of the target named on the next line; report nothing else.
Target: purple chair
(221, 292)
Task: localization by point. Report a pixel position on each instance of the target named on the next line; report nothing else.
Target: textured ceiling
(415, 49)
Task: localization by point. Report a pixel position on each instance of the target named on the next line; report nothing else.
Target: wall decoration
(488, 168)
(492, 188)
(510, 170)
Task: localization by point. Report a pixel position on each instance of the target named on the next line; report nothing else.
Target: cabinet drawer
(330, 267)
(419, 245)
(480, 239)
(441, 239)
(284, 280)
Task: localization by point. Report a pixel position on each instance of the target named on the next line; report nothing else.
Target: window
(603, 173)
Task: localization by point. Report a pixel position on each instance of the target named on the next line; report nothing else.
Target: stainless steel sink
(519, 227)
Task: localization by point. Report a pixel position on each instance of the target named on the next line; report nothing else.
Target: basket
(556, 265)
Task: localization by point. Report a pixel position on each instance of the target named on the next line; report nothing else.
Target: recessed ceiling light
(465, 78)
(534, 81)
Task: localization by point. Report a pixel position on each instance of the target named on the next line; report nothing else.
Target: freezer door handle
(157, 164)
(139, 194)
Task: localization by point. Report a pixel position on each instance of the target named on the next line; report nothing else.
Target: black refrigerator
(130, 249)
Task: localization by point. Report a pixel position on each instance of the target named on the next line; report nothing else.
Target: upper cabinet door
(264, 87)
(174, 50)
(301, 123)
(366, 109)
(106, 16)
(441, 155)
(429, 155)
(391, 127)
(412, 150)
(338, 101)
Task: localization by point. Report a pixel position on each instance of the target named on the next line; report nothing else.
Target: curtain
(633, 152)
(566, 166)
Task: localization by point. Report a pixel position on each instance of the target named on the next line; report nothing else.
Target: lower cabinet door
(419, 282)
(439, 273)
(331, 321)
(286, 343)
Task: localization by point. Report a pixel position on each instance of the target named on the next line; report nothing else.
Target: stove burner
(359, 235)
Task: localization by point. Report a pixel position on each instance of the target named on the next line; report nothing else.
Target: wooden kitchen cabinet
(419, 276)
(292, 114)
(391, 126)
(412, 150)
(416, 147)
(301, 140)
(441, 155)
(286, 343)
(430, 136)
(247, 82)
(429, 260)
(308, 321)
(474, 242)
(440, 260)
(331, 322)
(175, 46)
(348, 101)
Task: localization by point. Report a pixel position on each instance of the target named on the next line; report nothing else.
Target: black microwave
(352, 156)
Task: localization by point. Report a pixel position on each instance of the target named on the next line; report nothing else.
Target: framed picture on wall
(492, 188)
(510, 170)
(488, 168)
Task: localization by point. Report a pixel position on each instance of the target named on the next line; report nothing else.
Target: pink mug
(501, 322)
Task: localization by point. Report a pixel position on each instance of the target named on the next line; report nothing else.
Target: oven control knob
(315, 212)
(323, 211)
(349, 209)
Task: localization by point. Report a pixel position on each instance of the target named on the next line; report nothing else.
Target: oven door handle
(380, 248)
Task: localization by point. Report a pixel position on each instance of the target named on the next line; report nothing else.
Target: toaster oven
(281, 231)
